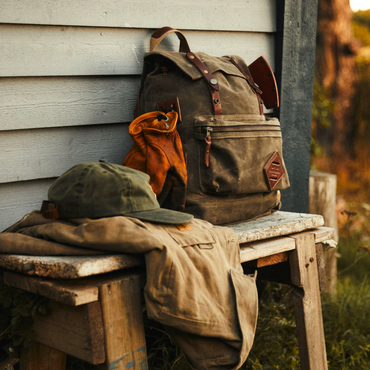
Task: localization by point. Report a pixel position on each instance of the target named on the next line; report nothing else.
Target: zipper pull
(208, 141)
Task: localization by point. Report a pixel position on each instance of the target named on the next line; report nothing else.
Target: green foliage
(362, 17)
(347, 325)
(275, 346)
(16, 311)
(323, 105)
(361, 33)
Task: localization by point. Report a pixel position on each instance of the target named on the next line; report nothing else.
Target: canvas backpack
(233, 152)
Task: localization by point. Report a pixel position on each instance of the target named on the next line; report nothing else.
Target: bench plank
(276, 224)
(77, 331)
(65, 267)
(266, 248)
(66, 292)
(251, 236)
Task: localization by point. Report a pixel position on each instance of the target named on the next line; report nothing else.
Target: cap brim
(162, 216)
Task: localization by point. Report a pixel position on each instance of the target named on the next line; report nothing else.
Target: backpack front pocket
(240, 154)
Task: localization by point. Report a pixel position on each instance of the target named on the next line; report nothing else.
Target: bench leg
(37, 356)
(125, 345)
(307, 303)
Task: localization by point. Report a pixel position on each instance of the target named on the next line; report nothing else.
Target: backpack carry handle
(160, 34)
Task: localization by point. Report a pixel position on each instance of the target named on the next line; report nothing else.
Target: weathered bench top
(262, 237)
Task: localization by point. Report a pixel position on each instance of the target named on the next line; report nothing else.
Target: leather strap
(213, 84)
(249, 78)
(251, 83)
(212, 81)
(49, 210)
(160, 34)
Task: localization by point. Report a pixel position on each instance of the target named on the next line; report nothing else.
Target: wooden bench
(97, 308)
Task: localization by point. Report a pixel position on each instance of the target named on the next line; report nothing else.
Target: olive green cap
(101, 189)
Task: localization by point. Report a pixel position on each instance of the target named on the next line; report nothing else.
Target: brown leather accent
(204, 71)
(216, 102)
(249, 78)
(160, 34)
(264, 77)
(214, 87)
(252, 84)
(171, 104)
(274, 170)
(49, 210)
(207, 150)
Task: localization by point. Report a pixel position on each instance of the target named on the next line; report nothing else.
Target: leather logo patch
(274, 170)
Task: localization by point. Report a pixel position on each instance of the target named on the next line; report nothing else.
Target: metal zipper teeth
(240, 129)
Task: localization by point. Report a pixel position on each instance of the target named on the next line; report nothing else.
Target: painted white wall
(70, 71)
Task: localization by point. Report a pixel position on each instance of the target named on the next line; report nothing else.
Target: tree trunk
(335, 73)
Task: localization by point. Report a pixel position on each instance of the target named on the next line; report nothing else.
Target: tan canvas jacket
(195, 283)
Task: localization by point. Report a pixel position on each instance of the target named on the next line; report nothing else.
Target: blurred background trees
(341, 116)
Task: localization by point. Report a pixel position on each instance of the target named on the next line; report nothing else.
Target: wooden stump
(322, 201)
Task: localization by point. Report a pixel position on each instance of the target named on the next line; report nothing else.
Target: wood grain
(77, 331)
(123, 325)
(63, 267)
(30, 103)
(46, 153)
(76, 267)
(206, 15)
(37, 356)
(69, 51)
(20, 198)
(276, 224)
(66, 292)
(307, 303)
(322, 197)
(265, 248)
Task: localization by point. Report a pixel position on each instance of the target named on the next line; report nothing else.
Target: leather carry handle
(160, 34)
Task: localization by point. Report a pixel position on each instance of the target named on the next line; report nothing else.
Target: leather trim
(264, 77)
(213, 85)
(171, 104)
(212, 81)
(160, 34)
(249, 78)
(251, 83)
(216, 102)
(274, 170)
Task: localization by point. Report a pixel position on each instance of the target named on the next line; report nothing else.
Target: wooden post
(123, 325)
(322, 198)
(37, 356)
(307, 303)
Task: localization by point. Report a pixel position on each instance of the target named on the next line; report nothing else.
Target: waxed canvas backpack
(233, 152)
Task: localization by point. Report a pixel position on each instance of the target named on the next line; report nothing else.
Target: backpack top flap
(214, 64)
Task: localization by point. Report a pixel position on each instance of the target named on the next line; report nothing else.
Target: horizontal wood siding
(20, 198)
(235, 15)
(70, 72)
(80, 51)
(28, 103)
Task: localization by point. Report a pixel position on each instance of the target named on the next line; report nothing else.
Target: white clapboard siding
(39, 102)
(18, 199)
(79, 51)
(70, 72)
(45, 153)
(236, 15)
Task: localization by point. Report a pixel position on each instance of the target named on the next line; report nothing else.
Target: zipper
(208, 138)
(208, 141)
(238, 128)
